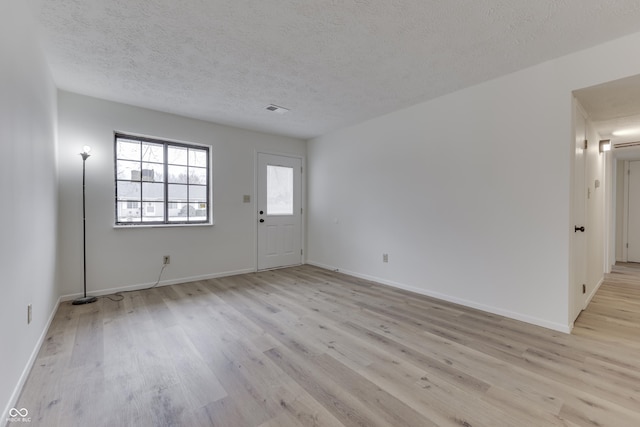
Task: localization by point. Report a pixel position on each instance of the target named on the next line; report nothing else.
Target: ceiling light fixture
(276, 109)
(625, 132)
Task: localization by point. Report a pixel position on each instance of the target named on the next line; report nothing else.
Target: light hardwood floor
(304, 346)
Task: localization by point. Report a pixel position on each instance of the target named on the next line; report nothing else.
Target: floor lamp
(84, 299)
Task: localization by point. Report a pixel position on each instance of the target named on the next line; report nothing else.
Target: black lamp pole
(84, 299)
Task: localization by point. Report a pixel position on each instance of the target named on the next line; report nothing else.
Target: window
(279, 190)
(161, 182)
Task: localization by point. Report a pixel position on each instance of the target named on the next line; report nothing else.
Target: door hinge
(627, 246)
(584, 288)
(300, 251)
(586, 144)
(301, 169)
(301, 211)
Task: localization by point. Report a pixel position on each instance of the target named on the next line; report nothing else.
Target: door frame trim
(303, 203)
(625, 212)
(574, 289)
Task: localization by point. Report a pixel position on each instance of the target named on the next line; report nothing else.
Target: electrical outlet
(28, 314)
(166, 260)
(385, 257)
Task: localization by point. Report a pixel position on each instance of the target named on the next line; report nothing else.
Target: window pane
(197, 193)
(197, 176)
(279, 190)
(128, 149)
(128, 190)
(182, 212)
(152, 152)
(177, 211)
(177, 174)
(152, 192)
(199, 212)
(128, 214)
(128, 170)
(153, 211)
(197, 158)
(177, 155)
(152, 172)
(177, 193)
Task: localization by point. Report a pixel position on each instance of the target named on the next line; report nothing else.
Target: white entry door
(279, 211)
(633, 215)
(579, 231)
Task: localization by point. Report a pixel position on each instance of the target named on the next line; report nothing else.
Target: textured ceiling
(331, 62)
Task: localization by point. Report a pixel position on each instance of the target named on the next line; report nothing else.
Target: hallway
(614, 313)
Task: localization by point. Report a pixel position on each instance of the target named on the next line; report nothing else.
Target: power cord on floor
(119, 294)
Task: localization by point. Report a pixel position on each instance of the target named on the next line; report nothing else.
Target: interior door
(633, 216)
(579, 231)
(279, 211)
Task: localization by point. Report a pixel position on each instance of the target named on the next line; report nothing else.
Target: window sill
(119, 226)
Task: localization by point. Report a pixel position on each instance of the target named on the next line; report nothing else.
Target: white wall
(119, 258)
(28, 197)
(468, 193)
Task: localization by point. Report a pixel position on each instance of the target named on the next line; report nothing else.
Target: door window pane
(279, 190)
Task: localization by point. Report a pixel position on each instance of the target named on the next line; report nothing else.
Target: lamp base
(84, 300)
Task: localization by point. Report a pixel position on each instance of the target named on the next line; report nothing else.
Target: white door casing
(279, 206)
(633, 215)
(579, 209)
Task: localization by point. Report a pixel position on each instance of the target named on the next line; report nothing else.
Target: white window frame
(166, 220)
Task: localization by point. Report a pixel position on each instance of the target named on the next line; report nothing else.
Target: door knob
(262, 220)
(578, 229)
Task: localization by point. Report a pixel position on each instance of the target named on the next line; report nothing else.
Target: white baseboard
(27, 369)
(494, 310)
(140, 286)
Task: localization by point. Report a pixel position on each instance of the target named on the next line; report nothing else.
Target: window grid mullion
(188, 182)
(141, 186)
(166, 182)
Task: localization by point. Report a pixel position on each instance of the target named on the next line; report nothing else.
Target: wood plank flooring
(307, 347)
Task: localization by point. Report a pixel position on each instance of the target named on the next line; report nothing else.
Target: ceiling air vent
(277, 109)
